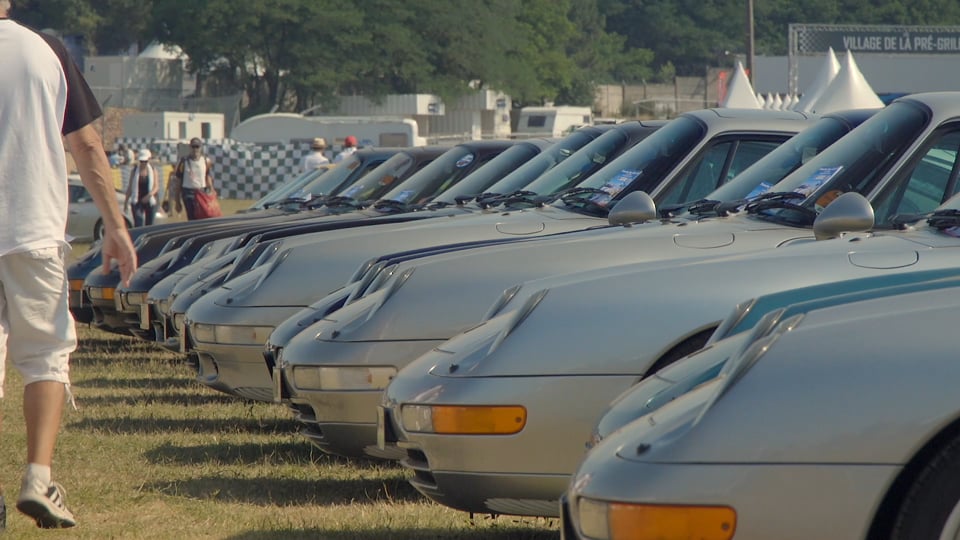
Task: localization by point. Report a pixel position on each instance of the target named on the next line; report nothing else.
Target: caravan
(551, 121)
(378, 131)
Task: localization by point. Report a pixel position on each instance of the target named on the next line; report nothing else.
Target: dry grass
(150, 453)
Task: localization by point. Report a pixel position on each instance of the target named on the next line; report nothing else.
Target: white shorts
(37, 331)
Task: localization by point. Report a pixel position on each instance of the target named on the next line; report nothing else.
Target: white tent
(164, 52)
(828, 70)
(740, 93)
(777, 103)
(849, 90)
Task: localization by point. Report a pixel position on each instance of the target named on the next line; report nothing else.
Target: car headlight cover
(135, 298)
(76, 285)
(343, 378)
(603, 520)
(464, 420)
(231, 335)
(101, 293)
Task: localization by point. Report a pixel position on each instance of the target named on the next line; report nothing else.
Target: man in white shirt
(44, 99)
(192, 174)
(349, 147)
(315, 159)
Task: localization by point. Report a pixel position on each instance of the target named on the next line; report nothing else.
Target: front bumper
(783, 501)
(509, 474)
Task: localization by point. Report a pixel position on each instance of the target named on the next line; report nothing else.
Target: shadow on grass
(508, 531)
(128, 426)
(145, 383)
(143, 399)
(290, 492)
(255, 453)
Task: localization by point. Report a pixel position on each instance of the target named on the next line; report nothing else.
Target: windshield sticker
(353, 190)
(404, 196)
(759, 190)
(621, 180)
(464, 161)
(817, 179)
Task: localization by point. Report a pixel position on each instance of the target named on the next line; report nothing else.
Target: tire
(931, 508)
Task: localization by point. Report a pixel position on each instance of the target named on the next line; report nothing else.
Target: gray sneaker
(47, 507)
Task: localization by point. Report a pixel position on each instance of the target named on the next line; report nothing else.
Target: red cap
(350, 141)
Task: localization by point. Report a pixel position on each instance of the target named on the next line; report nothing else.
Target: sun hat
(319, 143)
(144, 155)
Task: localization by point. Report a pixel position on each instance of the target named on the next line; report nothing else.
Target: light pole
(750, 41)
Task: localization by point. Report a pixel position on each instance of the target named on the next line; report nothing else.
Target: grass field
(150, 453)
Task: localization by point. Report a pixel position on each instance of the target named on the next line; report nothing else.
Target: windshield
(445, 171)
(486, 176)
(547, 160)
(581, 164)
(854, 163)
(646, 164)
(288, 190)
(374, 184)
(776, 165)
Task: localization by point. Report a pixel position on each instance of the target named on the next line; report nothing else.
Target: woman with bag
(142, 187)
(194, 184)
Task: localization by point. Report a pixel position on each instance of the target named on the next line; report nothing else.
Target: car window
(717, 166)
(932, 179)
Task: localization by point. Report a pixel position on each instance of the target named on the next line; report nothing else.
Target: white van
(369, 130)
(551, 121)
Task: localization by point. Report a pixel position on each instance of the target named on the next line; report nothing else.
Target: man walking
(43, 97)
(192, 174)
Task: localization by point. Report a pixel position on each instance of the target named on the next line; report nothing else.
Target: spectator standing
(44, 100)
(126, 155)
(142, 188)
(349, 147)
(315, 159)
(192, 174)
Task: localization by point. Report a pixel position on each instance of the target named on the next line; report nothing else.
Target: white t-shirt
(344, 153)
(314, 160)
(195, 173)
(36, 109)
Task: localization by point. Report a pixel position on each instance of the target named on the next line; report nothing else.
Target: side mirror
(633, 208)
(850, 212)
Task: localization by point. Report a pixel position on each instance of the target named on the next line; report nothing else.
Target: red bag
(207, 205)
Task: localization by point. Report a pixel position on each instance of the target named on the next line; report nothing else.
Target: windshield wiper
(300, 201)
(341, 201)
(943, 219)
(390, 205)
(579, 198)
(781, 200)
(530, 198)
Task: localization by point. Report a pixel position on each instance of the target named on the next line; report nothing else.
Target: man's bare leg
(42, 411)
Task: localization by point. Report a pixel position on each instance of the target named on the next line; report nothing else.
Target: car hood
(588, 324)
(447, 293)
(339, 253)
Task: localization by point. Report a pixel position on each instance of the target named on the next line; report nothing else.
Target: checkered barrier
(241, 170)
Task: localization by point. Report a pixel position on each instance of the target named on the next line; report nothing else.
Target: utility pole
(750, 41)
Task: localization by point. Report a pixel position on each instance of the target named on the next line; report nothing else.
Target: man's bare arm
(87, 150)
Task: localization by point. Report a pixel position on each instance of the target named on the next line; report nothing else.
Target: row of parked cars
(732, 324)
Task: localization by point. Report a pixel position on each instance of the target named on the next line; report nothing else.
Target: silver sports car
(227, 327)
(899, 156)
(800, 436)
(475, 413)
